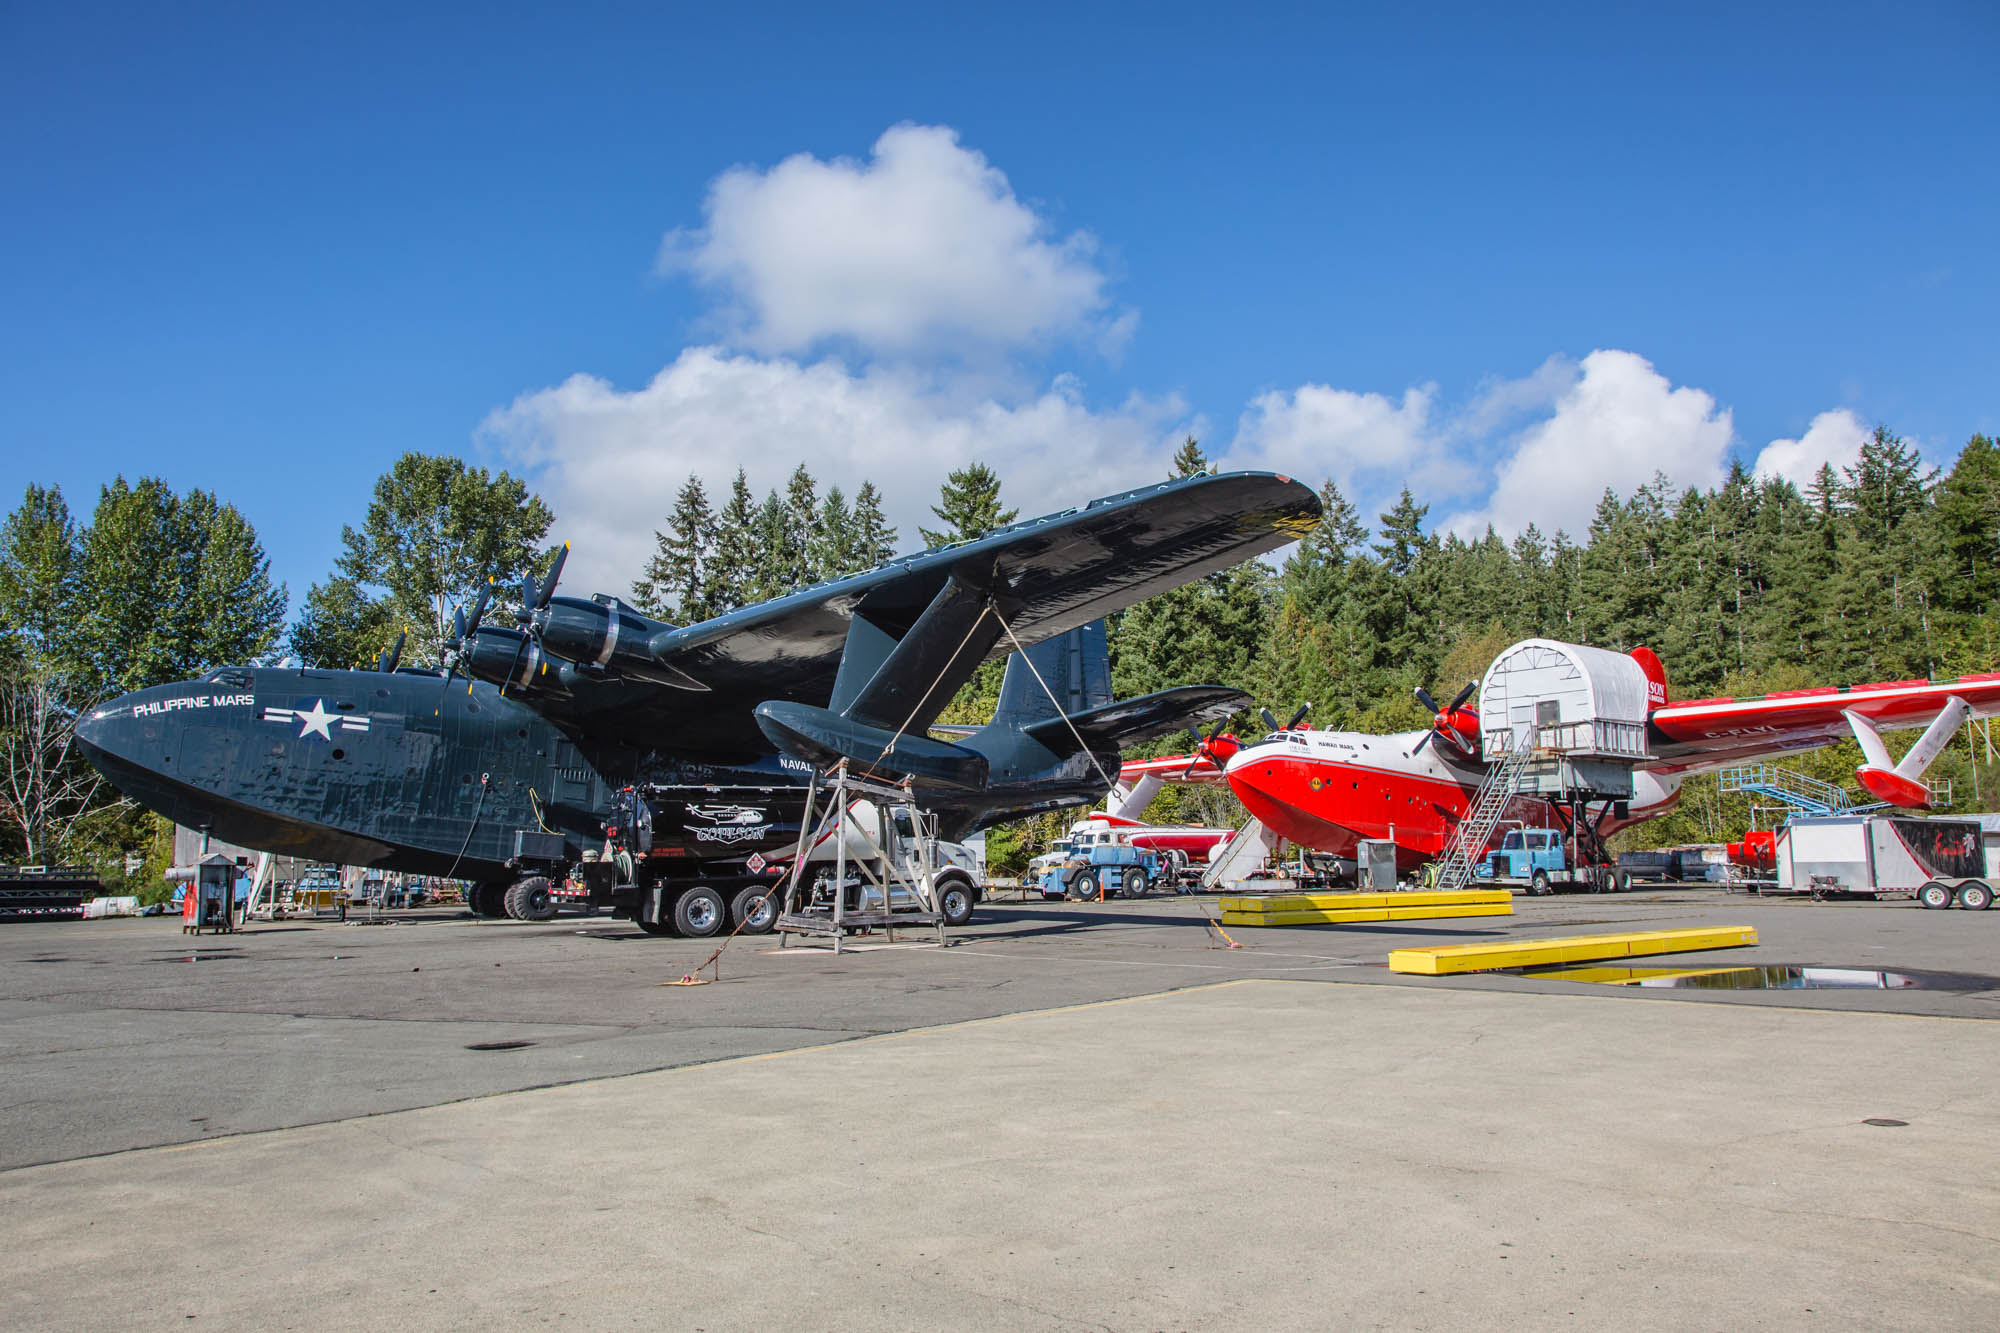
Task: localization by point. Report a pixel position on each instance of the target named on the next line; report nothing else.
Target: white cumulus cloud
(1617, 423)
(922, 248)
(1833, 437)
(1360, 440)
(611, 461)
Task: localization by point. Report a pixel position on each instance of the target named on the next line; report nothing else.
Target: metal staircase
(1468, 840)
(1807, 795)
(1249, 849)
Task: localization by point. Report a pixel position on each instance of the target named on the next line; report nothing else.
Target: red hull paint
(1351, 802)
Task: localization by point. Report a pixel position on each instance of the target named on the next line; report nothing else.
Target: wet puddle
(1783, 977)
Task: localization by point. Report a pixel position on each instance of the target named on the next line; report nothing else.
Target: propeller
(1204, 749)
(535, 596)
(392, 654)
(555, 573)
(1271, 720)
(1440, 716)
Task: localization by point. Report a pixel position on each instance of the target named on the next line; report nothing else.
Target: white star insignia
(314, 719)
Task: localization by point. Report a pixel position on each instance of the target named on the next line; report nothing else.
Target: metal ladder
(1468, 840)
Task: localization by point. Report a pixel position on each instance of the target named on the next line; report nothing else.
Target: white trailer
(1940, 862)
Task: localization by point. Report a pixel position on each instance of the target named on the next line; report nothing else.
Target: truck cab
(1530, 856)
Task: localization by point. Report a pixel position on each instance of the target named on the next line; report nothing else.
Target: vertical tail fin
(1076, 668)
(1656, 676)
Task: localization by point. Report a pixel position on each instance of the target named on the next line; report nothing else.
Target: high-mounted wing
(1711, 733)
(885, 650)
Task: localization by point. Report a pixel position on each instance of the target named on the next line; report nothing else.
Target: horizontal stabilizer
(1129, 722)
(823, 738)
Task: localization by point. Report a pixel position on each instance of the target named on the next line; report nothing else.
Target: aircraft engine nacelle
(608, 636)
(506, 657)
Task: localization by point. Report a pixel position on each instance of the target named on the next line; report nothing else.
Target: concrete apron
(1252, 1155)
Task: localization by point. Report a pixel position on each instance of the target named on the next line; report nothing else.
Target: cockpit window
(236, 676)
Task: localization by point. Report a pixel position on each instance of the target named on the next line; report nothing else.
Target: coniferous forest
(1885, 570)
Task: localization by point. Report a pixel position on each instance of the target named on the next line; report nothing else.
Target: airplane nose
(96, 729)
(1273, 786)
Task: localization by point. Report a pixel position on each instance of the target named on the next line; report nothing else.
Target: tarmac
(1076, 1116)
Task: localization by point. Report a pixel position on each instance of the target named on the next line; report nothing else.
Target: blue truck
(1537, 859)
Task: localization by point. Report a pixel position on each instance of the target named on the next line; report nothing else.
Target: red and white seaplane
(1328, 790)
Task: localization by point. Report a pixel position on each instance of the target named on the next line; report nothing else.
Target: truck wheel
(1975, 897)
(1539, 883)
(1624, 881)
(955, 901)
(1133, 883)
(700, 912)
(1934, 895)
(487, 900)
(1082, 886)
(755, 909)
(530, 900)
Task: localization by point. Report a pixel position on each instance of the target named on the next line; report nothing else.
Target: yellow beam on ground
(1318, 909)
(1440, 960)
(1341, 915)
(1323, 902)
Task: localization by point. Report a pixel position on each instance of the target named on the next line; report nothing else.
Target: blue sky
(1511, 257)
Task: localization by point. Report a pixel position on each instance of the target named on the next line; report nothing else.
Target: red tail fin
(1656, 676)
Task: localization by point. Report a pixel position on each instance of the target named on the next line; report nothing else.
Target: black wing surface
(1038, 578)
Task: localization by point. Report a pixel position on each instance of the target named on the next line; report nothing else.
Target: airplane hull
(1329, 801)
(247, 826)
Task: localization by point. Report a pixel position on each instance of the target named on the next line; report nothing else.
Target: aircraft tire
(1935, 896)
(487, 900)
(754, 909)
(955, 901)
(530, 900)
(1975, 897)
(700, 912)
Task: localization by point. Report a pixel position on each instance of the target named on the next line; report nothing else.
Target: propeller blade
(555, 572)
(1216, 730)
(528, 593)
(1298, 717)
(479, 608)
(1194, 736)
(1424, 698)
(395, 654)
(1270, 721)
(458, 624)
(1463, 695)
(1422, 741)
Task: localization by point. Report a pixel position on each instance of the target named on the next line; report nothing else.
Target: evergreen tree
(969, 504)
(675, 584)
(732, 574)
(832, 554)
(1968, 510)
(801, 529)
(774, 563)
(1189, 460)
(874, 540)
